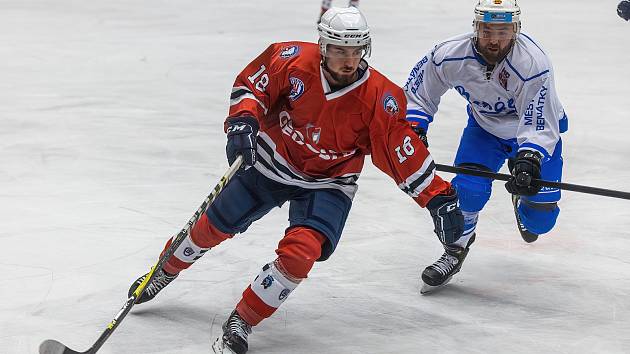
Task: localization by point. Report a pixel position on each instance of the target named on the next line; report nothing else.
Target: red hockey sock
(297, 252)
(202, 237)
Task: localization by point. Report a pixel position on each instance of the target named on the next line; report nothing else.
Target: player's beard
(342, 79)
(496, 54)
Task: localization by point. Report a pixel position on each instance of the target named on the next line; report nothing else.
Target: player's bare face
(342, 64)
(494, 40)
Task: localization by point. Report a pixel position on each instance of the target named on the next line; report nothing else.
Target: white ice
(111, 136)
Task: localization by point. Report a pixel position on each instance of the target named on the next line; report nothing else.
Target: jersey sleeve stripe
(453, 59)
(415, 112)
(244, 94)
(417, 119)
(239, 91)
(419, 180)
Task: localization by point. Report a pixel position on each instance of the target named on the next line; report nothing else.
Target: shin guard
(297, 252)
(202, 237)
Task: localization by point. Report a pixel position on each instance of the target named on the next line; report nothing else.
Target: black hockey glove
(422, 134)
(447, 217)
(623, 10)
(241, 135)
(525, 168)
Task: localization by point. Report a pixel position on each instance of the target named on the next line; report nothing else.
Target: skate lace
(237, 326)
(159, 282)
(445, 264)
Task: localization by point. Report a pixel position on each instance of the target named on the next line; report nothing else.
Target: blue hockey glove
(447, 217)
(524, 169)
(241, 135)
(623, 10)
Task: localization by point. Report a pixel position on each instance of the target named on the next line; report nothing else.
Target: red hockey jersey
(313, 137)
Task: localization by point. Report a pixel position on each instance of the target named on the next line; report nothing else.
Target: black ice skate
(527, 236)
(440, 273)
(159, 282)
(234, 338)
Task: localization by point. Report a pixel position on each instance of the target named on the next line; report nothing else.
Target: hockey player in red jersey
(304, 116)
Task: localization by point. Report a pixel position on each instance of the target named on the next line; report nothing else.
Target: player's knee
(538, 218)
(298, 251)
(473, 192)
(206, 235)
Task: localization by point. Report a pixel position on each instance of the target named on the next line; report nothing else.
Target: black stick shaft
(543, 183)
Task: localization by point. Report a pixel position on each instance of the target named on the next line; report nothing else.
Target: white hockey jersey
(516, 100)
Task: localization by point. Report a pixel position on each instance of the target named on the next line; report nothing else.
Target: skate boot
(159, 282)
(440, 273)
(234, 338)
(527, 236)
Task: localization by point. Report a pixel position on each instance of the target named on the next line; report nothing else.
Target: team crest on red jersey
(290, 51)
(503, 78)
(390, 105)
(297, 88)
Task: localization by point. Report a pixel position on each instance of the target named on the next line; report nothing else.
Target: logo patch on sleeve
(289, 51)
(390, 105)
(297, 88)
(503, 79)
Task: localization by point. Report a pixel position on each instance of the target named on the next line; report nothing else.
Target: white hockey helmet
(346, 27)
(497, 11)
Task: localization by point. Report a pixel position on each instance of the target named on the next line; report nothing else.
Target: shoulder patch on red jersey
(289, 51)
(297, 88)
(390, 105)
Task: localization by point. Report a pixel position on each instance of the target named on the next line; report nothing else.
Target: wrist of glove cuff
(422, 134)
(448, 220)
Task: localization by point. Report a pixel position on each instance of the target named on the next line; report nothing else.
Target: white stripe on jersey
(248, 95)
(273, 166)
(332, 95)
(419, 180)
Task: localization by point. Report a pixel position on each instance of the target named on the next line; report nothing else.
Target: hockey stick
(52, 346)
(541, 182)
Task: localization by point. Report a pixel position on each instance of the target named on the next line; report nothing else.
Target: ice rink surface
(111, 136)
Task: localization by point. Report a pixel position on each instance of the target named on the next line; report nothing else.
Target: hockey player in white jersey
(514, 114)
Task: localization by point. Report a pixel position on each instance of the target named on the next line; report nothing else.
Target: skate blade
(219, 347)
(528, 236)
(427, 289)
